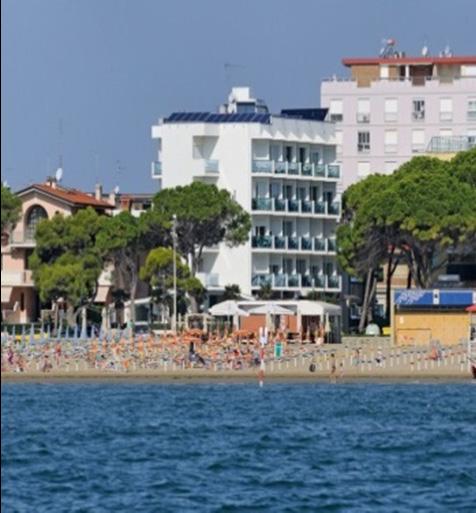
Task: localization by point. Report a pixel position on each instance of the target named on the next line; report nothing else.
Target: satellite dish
(116, 189)
(59, 174)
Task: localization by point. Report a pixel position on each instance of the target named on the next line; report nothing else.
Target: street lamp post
(174, 241)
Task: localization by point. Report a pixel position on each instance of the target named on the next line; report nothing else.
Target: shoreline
(197, 376)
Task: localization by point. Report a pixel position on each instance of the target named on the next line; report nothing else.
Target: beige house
(20, 303)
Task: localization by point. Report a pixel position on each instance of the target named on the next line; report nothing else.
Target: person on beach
(333, 367)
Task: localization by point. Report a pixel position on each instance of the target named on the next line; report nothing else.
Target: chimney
(98, 192)
(112, 198)
(51, 182)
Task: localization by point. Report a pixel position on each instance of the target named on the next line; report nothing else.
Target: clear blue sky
(109, 68)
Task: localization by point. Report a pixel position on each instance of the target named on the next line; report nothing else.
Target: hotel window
(391, 109)
(418, 140)
(391, 141)
(363, 142)
(336, 111)
(363, 110)
(363, 169)
(472, 109)
(390, 167)
(338, 142)
(418, 112)
(446, 109)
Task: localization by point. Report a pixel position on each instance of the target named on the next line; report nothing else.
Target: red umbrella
(471, 309)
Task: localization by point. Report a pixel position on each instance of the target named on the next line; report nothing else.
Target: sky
(86, 79)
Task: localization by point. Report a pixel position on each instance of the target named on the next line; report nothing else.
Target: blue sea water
(125, 447)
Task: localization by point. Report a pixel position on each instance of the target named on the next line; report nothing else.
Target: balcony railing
(451, 144)
(17, 278)
(294, 206)
(209, 279)
(331, 171)
(294, 243)
(296, 281)
(22, 239)
(156, 169)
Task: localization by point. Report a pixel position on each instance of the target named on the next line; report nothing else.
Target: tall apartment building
(394, 107)
(280, 168)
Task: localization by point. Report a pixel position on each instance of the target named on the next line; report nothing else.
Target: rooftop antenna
(59, 171)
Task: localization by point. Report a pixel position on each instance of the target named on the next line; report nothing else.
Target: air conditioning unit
(363, 117)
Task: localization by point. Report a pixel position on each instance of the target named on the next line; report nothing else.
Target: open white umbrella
(227, 309)
(271, 309)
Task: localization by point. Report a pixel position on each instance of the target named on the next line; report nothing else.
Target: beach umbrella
(23, 334)
(32, 333)
(471, 309)
(48, 333)
(14, 334)
(75, 333)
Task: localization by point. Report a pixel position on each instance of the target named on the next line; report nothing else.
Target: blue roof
(209, 117)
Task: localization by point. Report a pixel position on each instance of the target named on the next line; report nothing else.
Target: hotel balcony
(156, 170)
(451, 144)
(296, 169)
(278, 243)
(296, 207)
(17, 279)
(331, 283)
(22, 240)
(209, 280)
(206, 168)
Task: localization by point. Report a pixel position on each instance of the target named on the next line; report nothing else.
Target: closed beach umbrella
(23, 334)
(32, 334)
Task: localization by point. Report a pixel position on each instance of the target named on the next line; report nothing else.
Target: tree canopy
(67, 261)
(416, 215)
(11, 208)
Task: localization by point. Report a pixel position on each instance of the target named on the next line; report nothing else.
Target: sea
(236, 447)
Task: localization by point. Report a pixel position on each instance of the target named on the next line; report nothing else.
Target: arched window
(35, 215)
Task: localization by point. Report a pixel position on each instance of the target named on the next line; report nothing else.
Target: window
(363, 142)
(336, 111)
(418, 140)
(275, 152)
(363, 169)
(35, 215)
(384, 72)
(418, 113)
(288, 154)
(391, 141)
(472, 109)
(363, 110)
(390, 167)
(391, 109)
(446, 109)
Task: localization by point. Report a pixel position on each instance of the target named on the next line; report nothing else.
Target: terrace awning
(6, 294)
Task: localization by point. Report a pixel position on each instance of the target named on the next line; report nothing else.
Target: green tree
(124, 240)
(11, 208)
(232, 292)
(205, 216)
(158, 272)
(463, 166)
(67, 262)
(265, 291)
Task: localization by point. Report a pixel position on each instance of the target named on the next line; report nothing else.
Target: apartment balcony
(17, 279)
(206, 168)
(296, 207)
(156, 170)
(22, 240)
(297, 281)
(451, 144)
(209, 280)
(280, 243)
(296, 169)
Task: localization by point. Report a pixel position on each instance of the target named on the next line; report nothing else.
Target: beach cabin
(303, 319)
(421, 317)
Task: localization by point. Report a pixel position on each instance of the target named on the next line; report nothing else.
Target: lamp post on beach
(174, 242)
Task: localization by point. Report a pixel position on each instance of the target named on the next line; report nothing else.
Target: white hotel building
(280, 168)
(393, 108)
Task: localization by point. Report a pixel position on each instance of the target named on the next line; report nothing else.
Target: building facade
(394, 107)
(20, 301)
(280, 168)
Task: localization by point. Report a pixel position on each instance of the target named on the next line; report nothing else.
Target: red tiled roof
(71, 196)
(360, 61)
